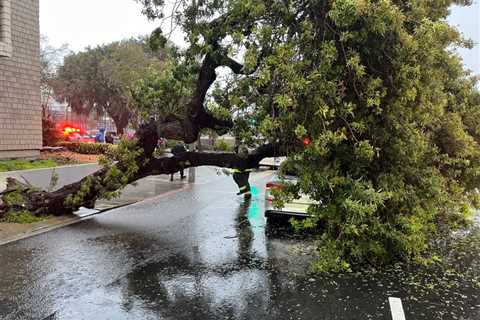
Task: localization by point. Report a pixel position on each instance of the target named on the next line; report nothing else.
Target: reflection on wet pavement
(200, 253)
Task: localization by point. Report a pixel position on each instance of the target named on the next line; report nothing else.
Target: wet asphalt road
(197, 252)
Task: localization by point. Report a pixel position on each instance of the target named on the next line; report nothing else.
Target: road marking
(396, 308)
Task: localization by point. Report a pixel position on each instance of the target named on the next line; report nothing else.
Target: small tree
(50, 133)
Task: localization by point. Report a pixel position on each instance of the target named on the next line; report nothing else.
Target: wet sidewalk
(41, 178)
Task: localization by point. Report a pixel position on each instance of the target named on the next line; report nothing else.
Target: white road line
(396, 308)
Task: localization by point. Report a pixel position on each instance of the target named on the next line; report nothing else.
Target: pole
(191, 170)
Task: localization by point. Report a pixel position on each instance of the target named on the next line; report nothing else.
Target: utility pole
(191, 170)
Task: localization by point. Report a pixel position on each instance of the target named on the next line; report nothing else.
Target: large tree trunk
(121, 123)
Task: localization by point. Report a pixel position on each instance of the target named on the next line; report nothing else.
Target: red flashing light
(69, 130)
(306, 141)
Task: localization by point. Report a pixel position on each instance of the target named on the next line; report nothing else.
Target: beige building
(20, 104)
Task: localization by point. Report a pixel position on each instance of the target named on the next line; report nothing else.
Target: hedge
(222, 145)
(87, 147)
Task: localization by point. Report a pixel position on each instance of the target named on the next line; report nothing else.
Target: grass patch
(14, 165)
(22, 217)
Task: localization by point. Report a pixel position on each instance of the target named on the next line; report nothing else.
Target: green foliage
(22, 217)
(14, 198)
(222, 145)
(119, 174)
(119, 168)
(88, 147)
(392, 115)
(162, 93)
(172, 143)
(79, 197)
(331, 258)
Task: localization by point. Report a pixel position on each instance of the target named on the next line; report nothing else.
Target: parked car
(272, 163)
(295, 208)
(77, 137)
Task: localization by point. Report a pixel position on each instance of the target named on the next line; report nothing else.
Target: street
(194, 252)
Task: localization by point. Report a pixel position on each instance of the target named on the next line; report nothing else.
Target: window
(5, 28)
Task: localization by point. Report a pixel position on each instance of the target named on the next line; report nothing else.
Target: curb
(54, 226)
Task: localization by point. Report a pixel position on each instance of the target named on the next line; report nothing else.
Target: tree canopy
(103, 77)
(375, 85)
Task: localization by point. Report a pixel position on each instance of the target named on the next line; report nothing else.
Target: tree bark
(121, 122)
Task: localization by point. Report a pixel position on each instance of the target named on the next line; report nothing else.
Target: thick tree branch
(92, 187)
(169, 165)
(198, 117)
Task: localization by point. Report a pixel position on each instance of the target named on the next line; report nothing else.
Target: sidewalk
(40, 178)
(144, 188)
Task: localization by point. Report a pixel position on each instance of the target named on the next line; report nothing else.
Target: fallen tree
(387, 112)
(107, 182)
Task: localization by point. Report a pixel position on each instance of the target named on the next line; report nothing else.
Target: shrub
(222, 145)
(87, 147)
(50, 134)
(172, 143)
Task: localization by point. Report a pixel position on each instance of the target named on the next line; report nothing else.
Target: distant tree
(77, 83)
(50, 60)
(103, 77)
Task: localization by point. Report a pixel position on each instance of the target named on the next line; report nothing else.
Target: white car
(272, 163)
(295, 208)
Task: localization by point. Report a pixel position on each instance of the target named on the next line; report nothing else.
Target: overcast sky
(93, 22)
